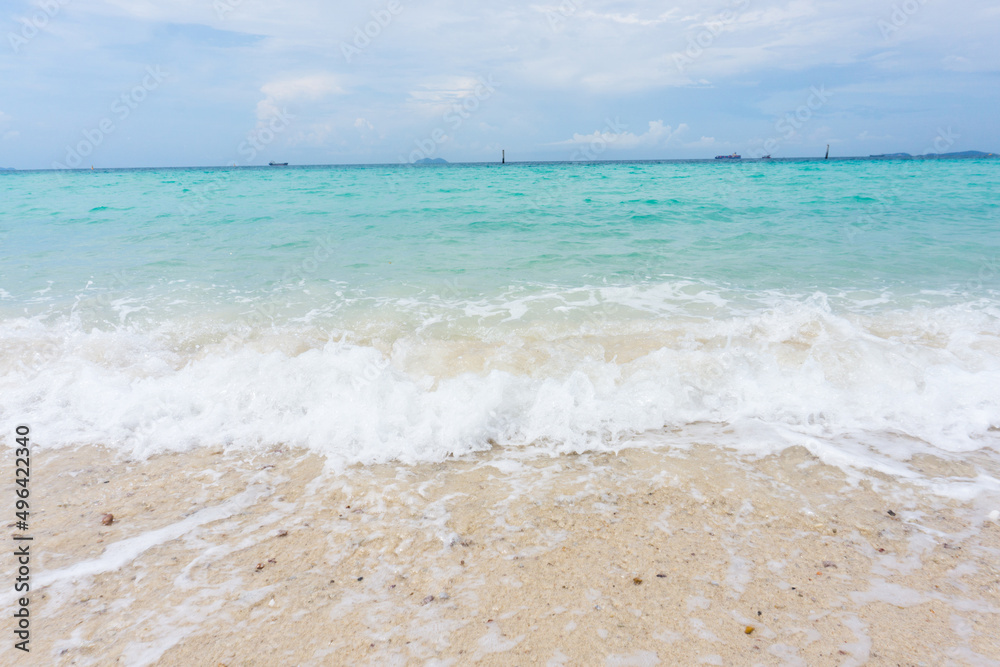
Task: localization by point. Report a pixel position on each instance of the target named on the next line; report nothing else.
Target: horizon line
(883, 156)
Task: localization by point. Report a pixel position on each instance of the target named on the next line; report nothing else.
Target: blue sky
(117, 83)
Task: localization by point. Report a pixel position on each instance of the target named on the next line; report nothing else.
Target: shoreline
(647, 556)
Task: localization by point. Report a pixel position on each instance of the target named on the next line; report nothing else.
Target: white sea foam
(858, 388)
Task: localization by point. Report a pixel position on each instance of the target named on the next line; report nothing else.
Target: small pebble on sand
(108, 519)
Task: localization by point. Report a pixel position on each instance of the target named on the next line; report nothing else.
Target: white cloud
(958, 64)
(630, 19)
(607, 46)
(658, 134)
(436, 96)
(282, 91)
(704, 142)
(868, 136)
(601, 58)
(311, 86)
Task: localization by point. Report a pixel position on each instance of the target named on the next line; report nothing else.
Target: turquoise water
(389, 312)
(783, 225)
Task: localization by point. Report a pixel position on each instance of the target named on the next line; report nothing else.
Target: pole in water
(827, 152)
(503, 157)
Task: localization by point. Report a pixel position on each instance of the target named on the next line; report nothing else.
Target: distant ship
(734, 156)
(277, 164)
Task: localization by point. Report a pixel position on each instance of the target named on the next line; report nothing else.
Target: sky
(142, 83)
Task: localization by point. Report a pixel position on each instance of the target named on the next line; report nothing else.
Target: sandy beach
(642, 557)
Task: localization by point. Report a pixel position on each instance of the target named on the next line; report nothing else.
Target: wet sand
(649, 556)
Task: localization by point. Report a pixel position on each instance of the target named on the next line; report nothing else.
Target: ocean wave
(903, 381)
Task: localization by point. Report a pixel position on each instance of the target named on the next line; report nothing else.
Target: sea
(408, 314)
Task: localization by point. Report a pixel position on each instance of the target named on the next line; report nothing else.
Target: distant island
(7, 169)
(431, 160)
(938, 155)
